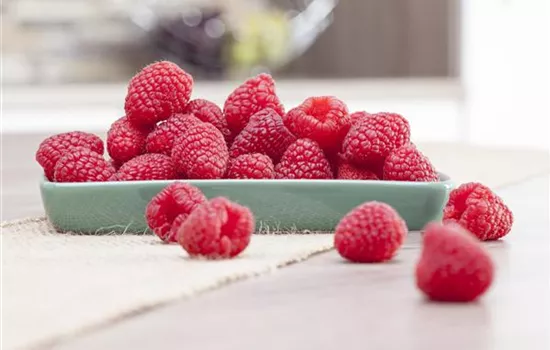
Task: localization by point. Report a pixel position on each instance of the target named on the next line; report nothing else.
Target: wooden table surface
(326, 303)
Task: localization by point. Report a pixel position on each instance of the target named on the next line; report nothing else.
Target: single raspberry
(217, 229)
(125, 141)
(304, 159)
(251, 166)
(162, 138)
(158, 91)
(172, 236)
(54, 147)
(371, 232)
(371, 139)
(407, 163)
(347, 171)
(173, 201)
(201, 152)
(265, 133)
(150, 166)
(356, 116)
(249, 98)
(81, 164)
(374, 168)
(479, 210)
(209, 112)
(322, 119)
(453, 265)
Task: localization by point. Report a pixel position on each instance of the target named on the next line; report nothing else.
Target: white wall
(505, 70)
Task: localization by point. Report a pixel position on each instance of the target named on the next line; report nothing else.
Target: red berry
(168, 205)
(356, 116)
(162, 138)
(265, 133)
(249, 98)
(347, 171)
(125, 141)
(209, 112)
(217, 229)
(479, 210)
(372, 232)
(251, 166)
(304, 159)
(453, 266)
(54, 147)
(201, 152)
(173, 233)
(322, 119)
(407, 163)
(371, 139)
(158, 91)
(151, 166)
(81, 164)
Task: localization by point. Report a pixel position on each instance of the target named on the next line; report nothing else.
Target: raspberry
(371, 139)
(162, 138)
(251, 166)
(81, 164)
(265, 133)
(347, 171)
(209, 112)
(125, 141)
(158, 91)
(172, 236)
(304, 159)
(356, 116)
(217, 229)
(480, 211)
(453, 266)
(54, 147)
(151, 166)
(407, 163)
(249, 98)
(201, 152)
(173, 201)
(371, 232)
(322, 119)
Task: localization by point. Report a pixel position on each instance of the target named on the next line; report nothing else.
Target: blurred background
(460, 70)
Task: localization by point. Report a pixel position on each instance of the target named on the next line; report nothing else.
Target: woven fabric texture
(56, 285)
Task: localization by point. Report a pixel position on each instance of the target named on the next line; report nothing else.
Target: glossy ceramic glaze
(278, 205)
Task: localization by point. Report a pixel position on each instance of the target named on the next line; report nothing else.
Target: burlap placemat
(57, 285)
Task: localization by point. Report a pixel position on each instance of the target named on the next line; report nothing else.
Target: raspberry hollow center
(320, 108)
(229, 227)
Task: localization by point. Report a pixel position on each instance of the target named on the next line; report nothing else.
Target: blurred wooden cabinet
(386, 38)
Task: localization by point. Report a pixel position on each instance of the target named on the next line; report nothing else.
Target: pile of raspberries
(167, 135)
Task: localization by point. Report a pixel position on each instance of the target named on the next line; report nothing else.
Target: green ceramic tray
(278, 205)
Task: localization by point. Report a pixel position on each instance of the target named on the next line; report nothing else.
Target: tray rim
(445, 181)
